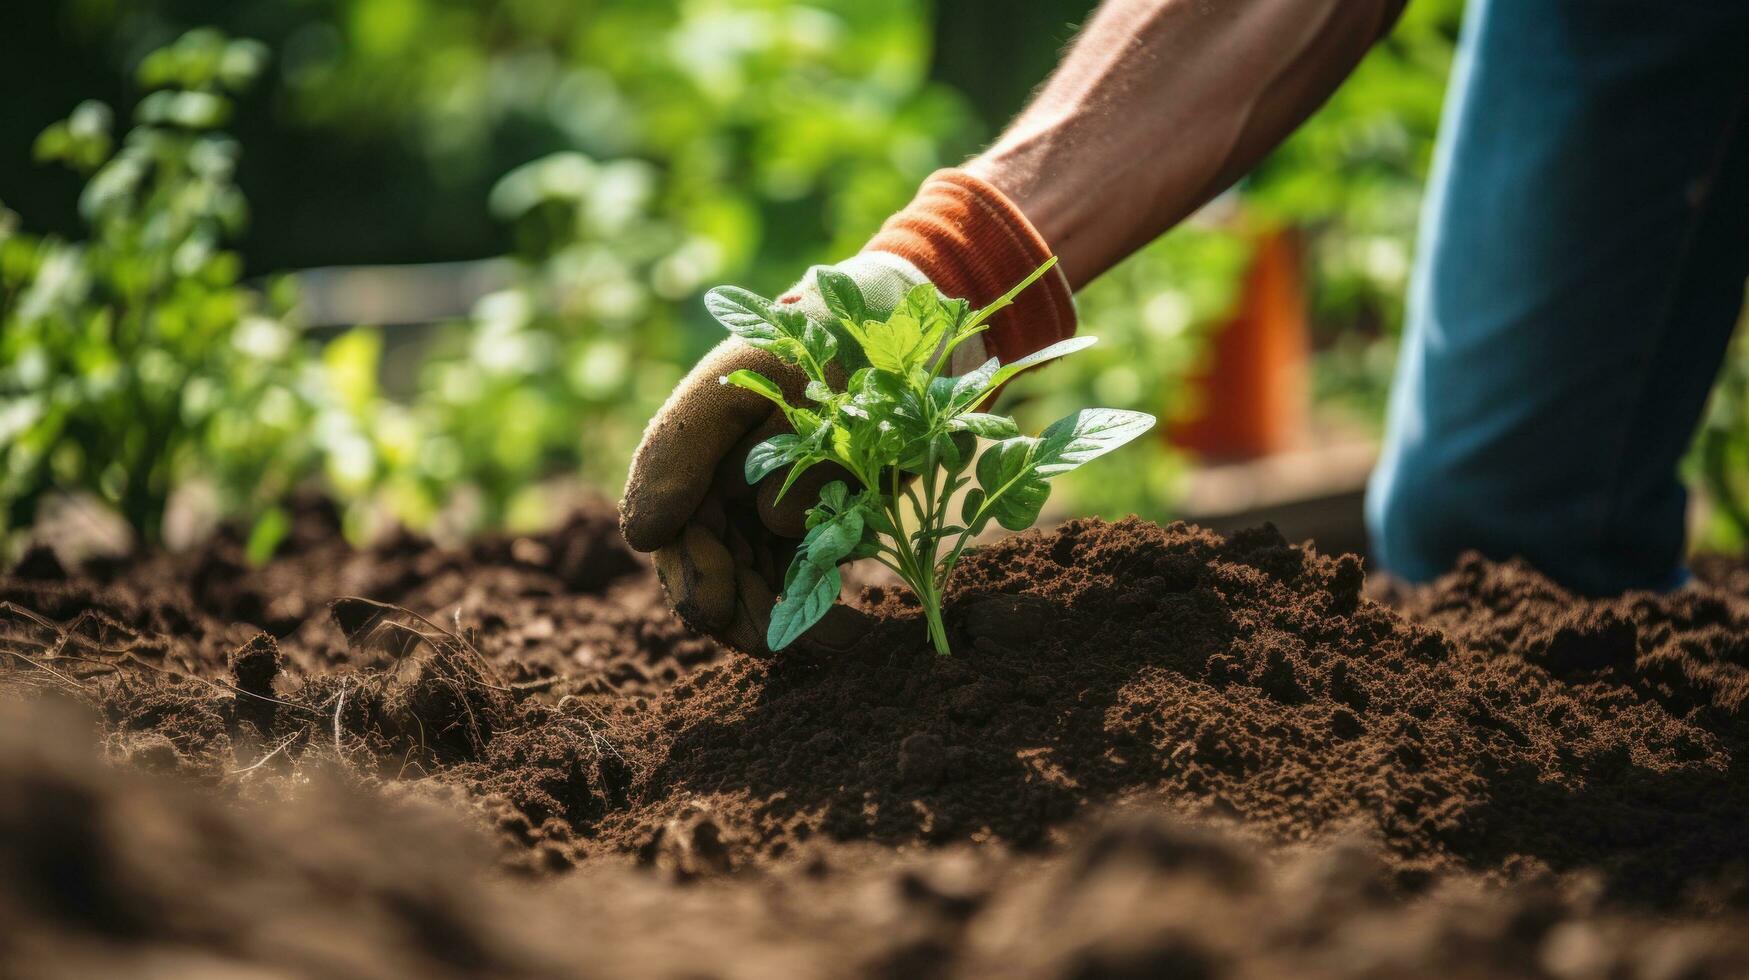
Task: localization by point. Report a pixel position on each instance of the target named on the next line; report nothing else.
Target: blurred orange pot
(1251, 398)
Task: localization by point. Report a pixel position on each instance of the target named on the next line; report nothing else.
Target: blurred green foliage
(774, 129)
(791, 125)
(1352, 176)
(557, 373)
(625, 154)
(134, 358)
(739, 139)
(1718, 462)
(662, 145)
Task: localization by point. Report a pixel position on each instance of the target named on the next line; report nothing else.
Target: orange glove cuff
(972, 242)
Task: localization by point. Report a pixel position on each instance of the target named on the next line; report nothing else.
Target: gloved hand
(721, 547)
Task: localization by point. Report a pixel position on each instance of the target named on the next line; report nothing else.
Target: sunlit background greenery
(624, 155)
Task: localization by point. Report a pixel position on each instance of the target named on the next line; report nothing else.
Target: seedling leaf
(969, 506)
(819, 342)
(969, 387)
(1085, 435)
(984, 425)
(1061, 348)
(771, 455)
(835, 497)
(842, 295)
(891, 345)
(748, 315)
(757, 383)
(830, 542)
(802, 466)
(808, 592)
(1014, 491)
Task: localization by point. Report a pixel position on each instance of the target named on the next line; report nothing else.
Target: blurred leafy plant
(1718, 462)
(1351, 180)
(556, 373)
(136, 359)
(781, 132)
(735, 138)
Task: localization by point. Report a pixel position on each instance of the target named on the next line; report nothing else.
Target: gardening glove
(721, 547)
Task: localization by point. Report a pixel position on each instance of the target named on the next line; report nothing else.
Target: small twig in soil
(338, 705)
(597, 741)
(458, 641)
(63, 633)
(48, 670)
(36, 618)
(535, 686)
(407, 758)
(129, 659)
(123, 657)
(277, 749)
(422, 746)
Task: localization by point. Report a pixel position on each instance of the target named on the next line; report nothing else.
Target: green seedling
(878, 406)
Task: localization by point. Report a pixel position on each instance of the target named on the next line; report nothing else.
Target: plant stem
(928, 516)
(933, 521)
(916, 569)
(937, 632)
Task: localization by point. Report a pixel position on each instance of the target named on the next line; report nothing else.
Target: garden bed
(1155, 750)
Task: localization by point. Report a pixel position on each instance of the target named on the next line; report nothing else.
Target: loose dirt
(1156, 751)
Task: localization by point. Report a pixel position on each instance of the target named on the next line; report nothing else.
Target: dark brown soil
(1156, 751)
(1245, 678)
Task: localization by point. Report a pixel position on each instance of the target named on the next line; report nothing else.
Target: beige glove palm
(721, 547)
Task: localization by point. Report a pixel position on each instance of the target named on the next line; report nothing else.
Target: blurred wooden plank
(396, 295)
(1315, 493)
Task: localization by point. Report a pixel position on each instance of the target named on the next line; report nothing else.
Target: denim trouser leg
(1581, 264)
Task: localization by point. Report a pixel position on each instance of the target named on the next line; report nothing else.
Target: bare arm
(1160, 105)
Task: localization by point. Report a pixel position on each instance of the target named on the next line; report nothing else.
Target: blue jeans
(1581, 265)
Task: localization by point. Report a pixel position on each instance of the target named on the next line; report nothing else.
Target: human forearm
(1160, 105)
